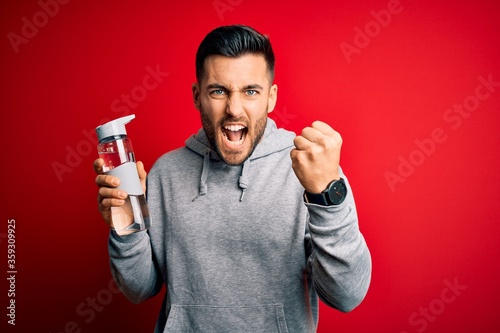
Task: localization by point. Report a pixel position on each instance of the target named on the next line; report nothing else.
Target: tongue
(233, 135)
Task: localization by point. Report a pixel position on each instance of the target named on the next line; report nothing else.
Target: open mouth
(234, 135)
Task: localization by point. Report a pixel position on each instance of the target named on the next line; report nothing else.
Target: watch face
(337, 192)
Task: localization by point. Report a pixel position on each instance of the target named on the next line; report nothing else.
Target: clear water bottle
(116, 150)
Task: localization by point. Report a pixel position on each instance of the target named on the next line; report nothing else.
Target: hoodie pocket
(269, 318)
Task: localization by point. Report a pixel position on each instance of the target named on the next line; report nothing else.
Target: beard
(253, 134)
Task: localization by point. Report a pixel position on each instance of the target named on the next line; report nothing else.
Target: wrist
(334, 194)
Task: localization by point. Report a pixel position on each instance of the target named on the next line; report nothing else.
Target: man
(251, 224)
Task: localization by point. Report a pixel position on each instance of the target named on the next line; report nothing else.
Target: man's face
(234, 97)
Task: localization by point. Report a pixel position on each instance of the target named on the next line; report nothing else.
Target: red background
(436, 228)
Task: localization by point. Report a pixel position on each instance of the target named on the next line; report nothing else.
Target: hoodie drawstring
(243, 181)
(204, 175)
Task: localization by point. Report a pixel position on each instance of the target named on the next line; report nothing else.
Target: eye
(251, 92)
(217, 92)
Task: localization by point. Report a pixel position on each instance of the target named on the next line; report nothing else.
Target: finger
(295, 157)
(323, 128)
(111, 193)
(98, 164)
(107, 203)
(322, 134)
(293, 154)
(312, 134)
(327, 131)
(140, 169)
(298, 156)
(107, 181)
(301, 143)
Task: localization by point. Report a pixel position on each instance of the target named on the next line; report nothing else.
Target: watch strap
(319, 199)
(324, 198)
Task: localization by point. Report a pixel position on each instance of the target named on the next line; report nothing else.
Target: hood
(273, 140)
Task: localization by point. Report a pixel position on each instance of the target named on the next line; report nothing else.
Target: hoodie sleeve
(133, 266)
(339, 263)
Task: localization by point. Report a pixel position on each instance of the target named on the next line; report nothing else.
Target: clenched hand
(316, 156)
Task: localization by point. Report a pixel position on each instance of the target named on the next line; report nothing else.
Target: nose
(234, 105)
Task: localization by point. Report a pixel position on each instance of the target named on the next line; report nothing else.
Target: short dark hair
(234, 41)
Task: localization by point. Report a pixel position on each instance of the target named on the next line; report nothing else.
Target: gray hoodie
(237, 247)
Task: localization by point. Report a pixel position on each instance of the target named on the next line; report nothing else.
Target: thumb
(142, 175)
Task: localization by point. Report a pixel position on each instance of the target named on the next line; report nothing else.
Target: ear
(196, 95)
(273, 98)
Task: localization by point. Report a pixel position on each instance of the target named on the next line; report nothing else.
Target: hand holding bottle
(109, 196)
(122, 200)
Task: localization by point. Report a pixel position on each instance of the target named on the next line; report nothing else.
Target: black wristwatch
(334, 194)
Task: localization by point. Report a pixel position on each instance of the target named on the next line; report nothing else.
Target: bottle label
(129, 178)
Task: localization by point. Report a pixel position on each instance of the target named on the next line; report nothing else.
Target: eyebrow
(215, 85)
(253, 87)
(247, 87)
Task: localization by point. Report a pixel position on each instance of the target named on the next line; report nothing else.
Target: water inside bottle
(113, 159)
(132, 216)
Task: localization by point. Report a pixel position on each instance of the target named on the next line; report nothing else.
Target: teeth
(235, 143)
(234, 128)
